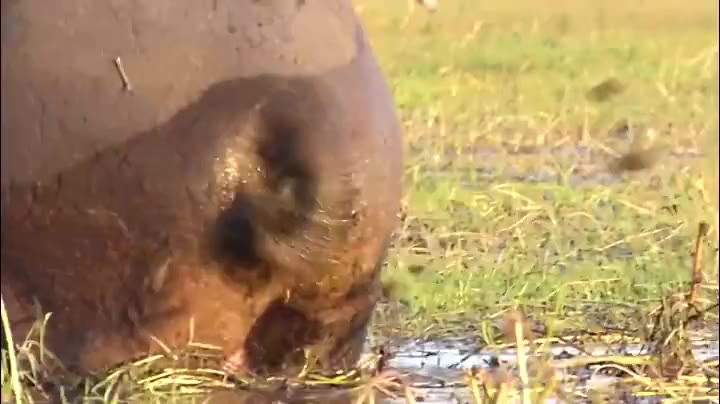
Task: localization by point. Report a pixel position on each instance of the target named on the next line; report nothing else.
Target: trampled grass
(515, 113)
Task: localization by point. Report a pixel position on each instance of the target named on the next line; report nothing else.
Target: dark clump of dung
(636, 160)
(606, 90)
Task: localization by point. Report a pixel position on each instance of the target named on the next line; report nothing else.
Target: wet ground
(438, 367)
(436, 372)
(575, 165)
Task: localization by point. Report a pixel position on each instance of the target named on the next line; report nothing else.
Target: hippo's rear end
(210, 171)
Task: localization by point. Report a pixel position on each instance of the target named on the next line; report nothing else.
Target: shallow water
(437, 366)
(435, 372)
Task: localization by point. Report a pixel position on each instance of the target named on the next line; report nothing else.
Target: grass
(514, 113)
(508, 198)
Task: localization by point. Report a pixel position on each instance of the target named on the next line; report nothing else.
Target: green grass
(508, 201)
(508, 198)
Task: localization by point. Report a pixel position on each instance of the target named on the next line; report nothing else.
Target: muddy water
(436, 368)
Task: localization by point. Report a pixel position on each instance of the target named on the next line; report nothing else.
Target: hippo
(174, 171)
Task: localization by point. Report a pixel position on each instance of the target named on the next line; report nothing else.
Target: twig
(474, 388)
(381, 361)
(14, 375)
(522, 360)
(697, 277)
(126, 81)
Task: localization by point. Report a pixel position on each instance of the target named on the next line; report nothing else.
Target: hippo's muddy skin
(242, 193)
